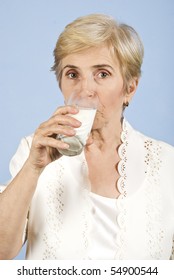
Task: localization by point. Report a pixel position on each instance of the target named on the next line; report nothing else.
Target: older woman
(116, 199)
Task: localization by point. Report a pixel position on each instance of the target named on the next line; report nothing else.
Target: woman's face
(96, 70)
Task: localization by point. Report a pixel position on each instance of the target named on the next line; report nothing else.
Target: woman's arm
(16, 198)
(14, 205)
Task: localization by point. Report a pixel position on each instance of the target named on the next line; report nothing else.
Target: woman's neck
(109, 136)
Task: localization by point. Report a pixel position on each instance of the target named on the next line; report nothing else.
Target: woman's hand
(16, 198)
(45, 146)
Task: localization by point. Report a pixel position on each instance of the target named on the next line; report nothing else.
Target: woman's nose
(87, 85)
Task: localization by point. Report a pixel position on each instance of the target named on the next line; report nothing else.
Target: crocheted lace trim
(121, 186)
(54, 219)
(155, 234)
(172, 254)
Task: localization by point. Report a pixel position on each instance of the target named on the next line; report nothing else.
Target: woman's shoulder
(156, 145)
(156, 142)
(150, 144)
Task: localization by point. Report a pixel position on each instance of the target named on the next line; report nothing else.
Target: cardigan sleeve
(18, 159)
(20, 156)
(2, 188)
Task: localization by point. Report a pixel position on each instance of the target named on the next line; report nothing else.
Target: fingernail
(72, 132)
(75, 109)
(78, 123)
(65, 146)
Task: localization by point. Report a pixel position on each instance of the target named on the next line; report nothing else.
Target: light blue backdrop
(28, 90)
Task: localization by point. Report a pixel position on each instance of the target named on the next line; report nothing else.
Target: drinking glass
(86, 102)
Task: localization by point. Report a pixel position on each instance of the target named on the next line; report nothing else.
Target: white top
(104, 228)
(67, 221)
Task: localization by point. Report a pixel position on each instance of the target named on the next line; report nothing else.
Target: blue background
(29, 92)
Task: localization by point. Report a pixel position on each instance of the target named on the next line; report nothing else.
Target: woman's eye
(103, 75)
(71, 75)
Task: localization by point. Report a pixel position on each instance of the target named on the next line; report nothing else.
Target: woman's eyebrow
(96, 66)
(70, 66)
(102, 66)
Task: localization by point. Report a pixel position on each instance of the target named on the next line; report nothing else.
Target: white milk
(86, 117)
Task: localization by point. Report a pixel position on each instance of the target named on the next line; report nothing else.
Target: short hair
(96, 29)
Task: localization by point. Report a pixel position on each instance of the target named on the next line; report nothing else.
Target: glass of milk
(86, 102)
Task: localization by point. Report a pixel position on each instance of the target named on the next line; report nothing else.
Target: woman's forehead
(91, 57)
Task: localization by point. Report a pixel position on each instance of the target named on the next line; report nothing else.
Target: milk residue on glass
(78, 141)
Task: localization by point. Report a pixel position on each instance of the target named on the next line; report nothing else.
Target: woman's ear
(131, 89)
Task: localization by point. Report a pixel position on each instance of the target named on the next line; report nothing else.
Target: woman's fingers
(45, 144)
(51, 142)
(61, 120)
(64, 110)
(60, 124)
(56, 129)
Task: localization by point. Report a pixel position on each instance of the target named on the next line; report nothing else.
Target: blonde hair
(96, 29)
